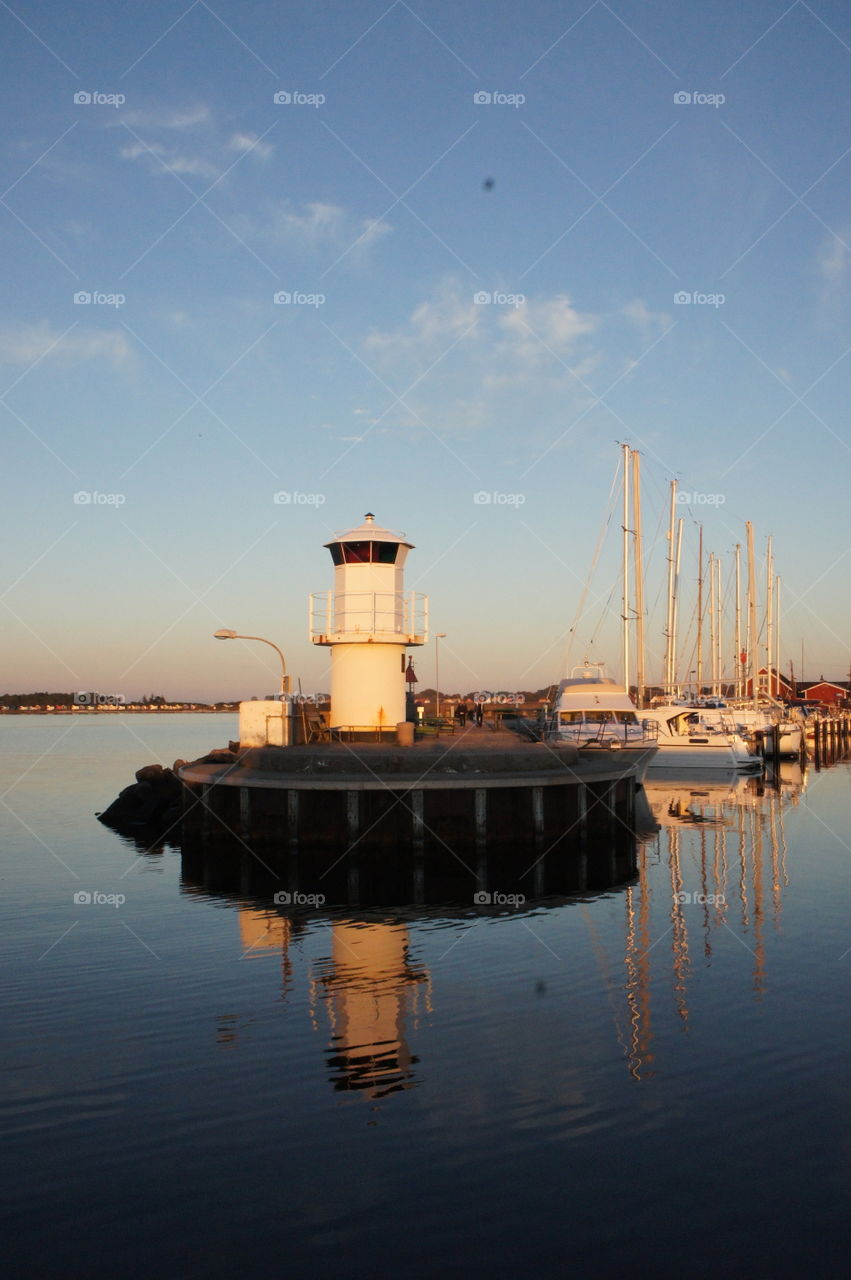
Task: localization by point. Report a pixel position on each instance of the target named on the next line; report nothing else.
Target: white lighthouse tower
(368, 621)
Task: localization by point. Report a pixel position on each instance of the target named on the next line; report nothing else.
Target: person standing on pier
(461, 713)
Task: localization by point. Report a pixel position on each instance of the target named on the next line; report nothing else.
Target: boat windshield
(598, 717)
(586, 717)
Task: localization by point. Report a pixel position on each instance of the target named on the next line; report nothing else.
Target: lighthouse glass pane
(385, 552)
(356, 552)
(336, 553)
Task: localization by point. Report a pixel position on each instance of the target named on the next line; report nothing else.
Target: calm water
(649, 1079)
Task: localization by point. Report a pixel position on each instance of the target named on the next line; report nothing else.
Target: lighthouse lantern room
(368, 621)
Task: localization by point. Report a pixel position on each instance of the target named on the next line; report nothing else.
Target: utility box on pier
(265, 723)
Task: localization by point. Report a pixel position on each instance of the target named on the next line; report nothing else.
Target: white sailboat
(687, 740)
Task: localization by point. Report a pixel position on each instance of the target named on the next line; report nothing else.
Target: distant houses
(834, 693)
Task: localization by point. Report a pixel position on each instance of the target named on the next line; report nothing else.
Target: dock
(476, 789)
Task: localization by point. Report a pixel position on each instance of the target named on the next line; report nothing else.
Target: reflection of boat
(591, 710)
(675, 802)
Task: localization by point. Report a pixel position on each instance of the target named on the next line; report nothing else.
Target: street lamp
(440, 635)
(225, 634)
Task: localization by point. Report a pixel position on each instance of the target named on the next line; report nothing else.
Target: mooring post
(538, 813)
(245, 812)
(353, 881)
(481, 815)
(582, 811)
(292, 819)
(629, 814)
(207, 819)
(352, 815)
(419, 878)
(417, 823)
(612, 806)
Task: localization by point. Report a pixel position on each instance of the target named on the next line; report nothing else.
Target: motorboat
(593, 711)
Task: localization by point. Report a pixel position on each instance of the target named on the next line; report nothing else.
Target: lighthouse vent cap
(369, 531)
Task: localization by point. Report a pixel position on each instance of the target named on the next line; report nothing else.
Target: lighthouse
(368, 621)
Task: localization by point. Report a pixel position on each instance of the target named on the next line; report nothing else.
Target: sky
(270, 266)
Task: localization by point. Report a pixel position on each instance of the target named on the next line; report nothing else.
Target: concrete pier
(477, 790)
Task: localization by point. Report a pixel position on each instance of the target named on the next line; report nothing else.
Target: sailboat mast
(777, 631)
(675, 613)
(626, 452)
(737, 668)
(713, 633)
(669, 620)
(718, 625)
(769, 614)
(753, 662)
(639, 579)
(700, 609)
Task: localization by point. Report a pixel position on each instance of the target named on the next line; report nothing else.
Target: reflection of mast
(759, 943)
(370, 987)
(679, 931)
(637, 961)
(261, 930)
(774, 807)
(707, 945)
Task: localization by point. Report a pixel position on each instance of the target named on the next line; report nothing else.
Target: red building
(825, 691)
(778, 686)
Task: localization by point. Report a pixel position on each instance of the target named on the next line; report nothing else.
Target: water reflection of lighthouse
(371, 989)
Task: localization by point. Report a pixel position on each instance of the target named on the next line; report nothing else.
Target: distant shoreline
(120, 710)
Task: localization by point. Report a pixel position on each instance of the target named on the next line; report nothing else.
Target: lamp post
(226, 634)
(440, 635)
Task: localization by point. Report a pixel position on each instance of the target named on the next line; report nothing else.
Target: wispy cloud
(649, 323)
(27, 345)
(162, 117)
(314, 226)
(250, 142)
(162, 159)
(186, 140)
(475, 366)
(833, 264)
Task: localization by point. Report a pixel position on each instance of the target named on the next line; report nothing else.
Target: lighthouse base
(367, 688)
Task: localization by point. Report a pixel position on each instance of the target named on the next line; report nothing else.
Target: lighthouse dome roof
(369, 531)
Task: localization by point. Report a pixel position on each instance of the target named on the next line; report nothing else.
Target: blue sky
(148, 166)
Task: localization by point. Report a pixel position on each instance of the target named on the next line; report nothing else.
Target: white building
(368, 621)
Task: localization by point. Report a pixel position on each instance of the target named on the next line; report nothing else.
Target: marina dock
(478, 788)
